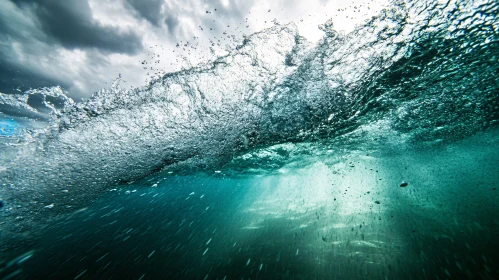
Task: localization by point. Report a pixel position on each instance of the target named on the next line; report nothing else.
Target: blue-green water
(315, 222)
(370, 155)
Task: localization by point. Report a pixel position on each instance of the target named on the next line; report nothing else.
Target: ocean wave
(426, 70)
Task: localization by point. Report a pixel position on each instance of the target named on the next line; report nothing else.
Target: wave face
(425, 70)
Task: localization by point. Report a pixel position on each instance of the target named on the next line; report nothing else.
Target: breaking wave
(419, 74)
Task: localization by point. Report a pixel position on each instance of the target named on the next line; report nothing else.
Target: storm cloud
(70, 22)
(15, 78)
(40, 38)
(148, 9)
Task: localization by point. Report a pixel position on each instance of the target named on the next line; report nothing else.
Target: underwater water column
(366, 155)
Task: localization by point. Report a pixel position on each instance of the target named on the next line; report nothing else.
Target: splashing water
(419, 74)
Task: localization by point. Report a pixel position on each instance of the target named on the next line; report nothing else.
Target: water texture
(284, 159)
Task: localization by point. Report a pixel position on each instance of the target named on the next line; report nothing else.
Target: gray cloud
(15, 73)
(149, 9)
(38, 38)
(171, 23)
(14, 76)
(71, 24)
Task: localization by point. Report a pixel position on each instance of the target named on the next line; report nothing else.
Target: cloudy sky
(83, 45)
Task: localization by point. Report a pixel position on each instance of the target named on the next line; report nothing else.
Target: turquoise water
(314, 222)
(368, 155)
(7, 128)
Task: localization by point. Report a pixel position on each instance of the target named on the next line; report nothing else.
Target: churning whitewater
(424, 72)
